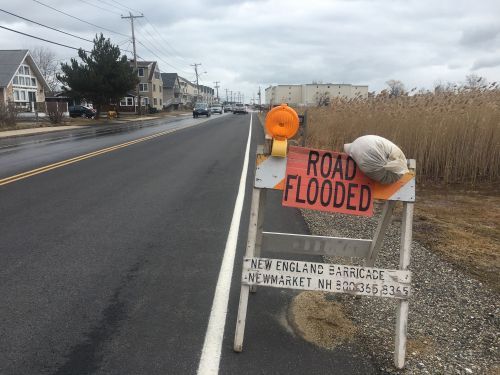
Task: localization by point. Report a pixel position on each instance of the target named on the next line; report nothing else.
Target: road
(109, 262)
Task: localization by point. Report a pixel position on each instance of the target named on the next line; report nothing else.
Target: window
(33, 82)
(21, 81)
(157, 75)
(160, 102)
(15, 81)
(143, 87)
(26, 71)
(22, 95)
(155, 101)
(160, 88)
(127, 102)
(145, 101)
(154, 87)
(21, 70)
(16, 95)
(140, 72)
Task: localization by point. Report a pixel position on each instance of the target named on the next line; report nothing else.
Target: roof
(9, 63)
(169, 79)
(10, 60)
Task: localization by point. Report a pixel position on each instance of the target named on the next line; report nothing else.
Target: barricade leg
(260, 227)
(404, 262)
(250, 252)
(378, 239)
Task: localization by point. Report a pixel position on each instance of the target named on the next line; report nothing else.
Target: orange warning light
(282, 122)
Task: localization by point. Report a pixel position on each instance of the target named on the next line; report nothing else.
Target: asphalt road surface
(109, 262)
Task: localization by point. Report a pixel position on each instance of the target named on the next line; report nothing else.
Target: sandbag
(378, 158)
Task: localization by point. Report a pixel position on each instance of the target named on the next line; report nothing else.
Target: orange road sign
(326, 181)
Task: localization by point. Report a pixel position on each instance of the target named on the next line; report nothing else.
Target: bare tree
(474, 82)
(47, 62)
(441, 87)
(323, 100)
(396, 88)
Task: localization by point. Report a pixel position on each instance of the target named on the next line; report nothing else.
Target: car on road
(216, 108)
(240, 108)
(201, 109)
(228, 108)
(81, 111)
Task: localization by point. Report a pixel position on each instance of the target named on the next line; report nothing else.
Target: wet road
(109, 265)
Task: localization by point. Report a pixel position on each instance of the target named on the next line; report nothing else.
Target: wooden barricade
(273, 173)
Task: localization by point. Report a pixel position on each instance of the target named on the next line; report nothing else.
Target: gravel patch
(453, 323)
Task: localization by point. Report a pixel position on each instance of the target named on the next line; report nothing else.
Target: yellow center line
(46, 168)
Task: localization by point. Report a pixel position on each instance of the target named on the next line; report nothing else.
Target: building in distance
(313, 94)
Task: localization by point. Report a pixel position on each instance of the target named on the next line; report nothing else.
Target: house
(150, 85)
(206, 94)
(172, 96)
(21, 81)
(313, 93)
(187, 91)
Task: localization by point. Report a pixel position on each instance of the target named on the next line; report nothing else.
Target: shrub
(8, 115)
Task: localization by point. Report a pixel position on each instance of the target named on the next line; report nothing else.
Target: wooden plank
(291, 274)
(260, 226)
(315, 245)
(250, 251)
(378, 238)
(404, 262)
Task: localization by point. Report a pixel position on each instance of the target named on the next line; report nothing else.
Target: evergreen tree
(103, 78)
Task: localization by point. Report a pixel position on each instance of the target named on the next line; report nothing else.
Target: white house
(21, 81)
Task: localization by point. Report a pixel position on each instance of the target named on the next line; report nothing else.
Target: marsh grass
(454, 136)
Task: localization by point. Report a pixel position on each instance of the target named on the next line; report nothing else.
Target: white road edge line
(211, 353)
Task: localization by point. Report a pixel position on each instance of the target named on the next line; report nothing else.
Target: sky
(247, 44)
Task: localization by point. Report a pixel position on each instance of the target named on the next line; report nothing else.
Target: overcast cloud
(244, 44)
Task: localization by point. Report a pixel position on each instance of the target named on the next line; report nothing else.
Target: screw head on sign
(282, 122)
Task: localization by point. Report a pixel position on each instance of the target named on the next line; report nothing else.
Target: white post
(404, 262)
(250, 252)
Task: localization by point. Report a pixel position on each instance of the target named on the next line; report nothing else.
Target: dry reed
(455, 137)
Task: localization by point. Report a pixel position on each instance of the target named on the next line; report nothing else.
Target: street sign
(326, 181)
(326, 277)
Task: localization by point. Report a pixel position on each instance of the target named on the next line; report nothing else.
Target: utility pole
(226, 97)
(260, 104)
(135, 59)
(197, 83)
(217, 88)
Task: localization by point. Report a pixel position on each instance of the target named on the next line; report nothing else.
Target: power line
(126, 7)
(45, 40)
(166, 42)
(152, 45)
(114, 6)
(97, 6)
(79, 19)
(48, 27)
(159, 58)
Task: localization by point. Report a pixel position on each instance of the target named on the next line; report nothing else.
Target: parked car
(240, 108)
(201, 109)
(216, 108)
(228, 108)
(81, 111)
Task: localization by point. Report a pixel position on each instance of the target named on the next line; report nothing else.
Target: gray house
(21, 81)
(171, 90)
